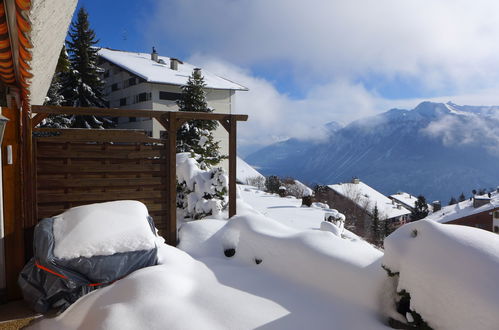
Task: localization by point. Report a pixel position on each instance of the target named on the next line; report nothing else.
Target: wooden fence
(77, 167)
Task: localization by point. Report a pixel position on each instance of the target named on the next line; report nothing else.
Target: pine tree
(452, 201)
(272, 184)
(83, 86)
(420, 209)
(196, 136)
(462, 198)
(375, 226)
(54, 94)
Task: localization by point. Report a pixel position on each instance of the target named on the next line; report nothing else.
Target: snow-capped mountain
(436, 149)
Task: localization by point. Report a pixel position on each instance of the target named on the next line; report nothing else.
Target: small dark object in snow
(258, 261)
(414, 233)
(229, 252)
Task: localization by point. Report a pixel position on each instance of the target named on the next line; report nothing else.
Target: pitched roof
(141, 65)
(464, 209)
(364, 195)
(407, 199)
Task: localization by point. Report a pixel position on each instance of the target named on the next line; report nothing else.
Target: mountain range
(437, 150)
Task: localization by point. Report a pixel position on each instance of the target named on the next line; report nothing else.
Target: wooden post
(171, 235)
(232, 167)
(12, 201)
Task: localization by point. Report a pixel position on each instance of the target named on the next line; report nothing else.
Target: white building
(153, 82)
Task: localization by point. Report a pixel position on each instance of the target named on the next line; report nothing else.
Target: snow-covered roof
(406, 199)
(464, 209)
(365, 196)
(141, 65)
(245, 171)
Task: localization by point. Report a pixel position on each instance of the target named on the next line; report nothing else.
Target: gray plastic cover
(48, 282)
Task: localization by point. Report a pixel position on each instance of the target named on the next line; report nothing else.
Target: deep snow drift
(272, 267)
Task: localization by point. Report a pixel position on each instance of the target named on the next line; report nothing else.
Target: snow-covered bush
(257, 182)
(446, 275)
(199, 192)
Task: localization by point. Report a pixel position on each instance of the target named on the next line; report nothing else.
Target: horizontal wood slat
(101, 182)
(92, 135)
(100, 154)
(48, 168)
(47, 197)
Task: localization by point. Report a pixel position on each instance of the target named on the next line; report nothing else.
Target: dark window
(122, 101)
(169, 96)
(132, 81)
(142, 97)
(132, 119)
(106, 73)
(114, 87)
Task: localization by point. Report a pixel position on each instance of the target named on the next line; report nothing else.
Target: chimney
(355, 180)
(437, 206)
(154, 55)
(174, 64)
(399, 206)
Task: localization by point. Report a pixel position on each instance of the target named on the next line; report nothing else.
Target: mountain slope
(436, 149)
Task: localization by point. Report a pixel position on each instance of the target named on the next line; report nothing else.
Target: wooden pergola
(171, 121)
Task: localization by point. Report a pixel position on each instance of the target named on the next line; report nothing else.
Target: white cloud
(332, 50)
(440, 43)
(466, 130)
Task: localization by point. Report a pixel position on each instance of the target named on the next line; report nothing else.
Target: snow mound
(102, 229)
(451, 273)
(349, 269)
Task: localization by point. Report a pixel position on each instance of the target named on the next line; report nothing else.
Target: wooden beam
(38, 118)
(114, 112)
(232, 167)
(171, 147)
(226, 124)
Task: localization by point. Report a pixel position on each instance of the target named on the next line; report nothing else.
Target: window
(132, 119)
(122, 101)
(496, 229)
(169, 96)
(114, 87)
(130, 82)
(142, 97)
(496, 214)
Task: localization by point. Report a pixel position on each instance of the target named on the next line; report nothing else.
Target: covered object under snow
(85, 248)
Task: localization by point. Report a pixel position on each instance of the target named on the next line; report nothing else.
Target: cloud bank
(350, 59)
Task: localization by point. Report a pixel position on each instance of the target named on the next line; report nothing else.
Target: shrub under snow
(199, 192)
(450, 272)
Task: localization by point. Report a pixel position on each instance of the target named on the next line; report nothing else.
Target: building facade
(153, 82)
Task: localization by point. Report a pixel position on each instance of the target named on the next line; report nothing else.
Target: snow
(363, 195)
(451, 273)
(463, 209)
(246, 171)
(277, 265)
(102, 229)
(142, 65)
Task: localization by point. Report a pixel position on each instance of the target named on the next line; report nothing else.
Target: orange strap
(62, 276)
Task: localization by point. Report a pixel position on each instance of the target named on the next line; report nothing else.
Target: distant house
(407, 200)
(153, 82)
(357, 201)
(479, 211)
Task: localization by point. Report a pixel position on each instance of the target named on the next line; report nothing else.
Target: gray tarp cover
(44, 290)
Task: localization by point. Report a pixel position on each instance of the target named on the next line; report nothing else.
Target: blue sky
(324, 61)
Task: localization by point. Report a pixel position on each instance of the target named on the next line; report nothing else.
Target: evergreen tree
(375, 226)
(420, 209)
(82, 83)
(462, 198)
(54, 94)
(196, 136)
(452, 201)
(272, 184)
